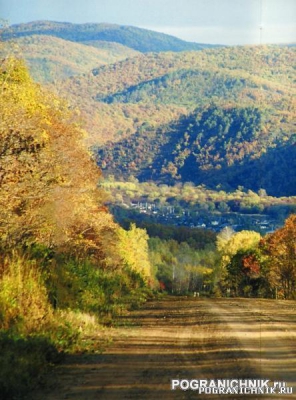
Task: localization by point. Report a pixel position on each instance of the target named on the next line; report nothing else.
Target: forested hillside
(222, 144)
(151, 90)
(230, 147)
(264, 64)
(142, 40)
(50, 58)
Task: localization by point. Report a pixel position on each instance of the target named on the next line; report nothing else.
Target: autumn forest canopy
(138, 164)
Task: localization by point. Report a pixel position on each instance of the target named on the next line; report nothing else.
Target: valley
(147, 212)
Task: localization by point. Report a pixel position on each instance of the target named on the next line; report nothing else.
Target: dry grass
(24, 304)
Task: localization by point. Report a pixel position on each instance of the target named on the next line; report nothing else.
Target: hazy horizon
(229, 22)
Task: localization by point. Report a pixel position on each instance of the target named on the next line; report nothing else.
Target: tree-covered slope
(228, 146)
(152, 89)
(51, 58)
(142, 40)
(190, 87)
(265, 65)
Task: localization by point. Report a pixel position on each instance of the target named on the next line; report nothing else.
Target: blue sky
(205, 21)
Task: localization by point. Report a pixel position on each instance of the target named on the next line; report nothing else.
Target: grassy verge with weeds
(35, 333)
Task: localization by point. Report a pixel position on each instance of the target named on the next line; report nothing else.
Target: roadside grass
(23, 361)
(46, 313)
(25, 358)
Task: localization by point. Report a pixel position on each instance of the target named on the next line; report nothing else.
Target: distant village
(215, 221)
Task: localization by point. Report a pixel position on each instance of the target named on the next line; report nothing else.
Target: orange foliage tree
(280, 248)
(48, 182)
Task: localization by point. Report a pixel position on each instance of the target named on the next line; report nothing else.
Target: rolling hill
(266, 65)
(226, 146)
(142, 40)
(151, 90)
(220, 116)
(232, 125)
(50, 58)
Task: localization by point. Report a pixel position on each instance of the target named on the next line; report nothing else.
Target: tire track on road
(178, 338)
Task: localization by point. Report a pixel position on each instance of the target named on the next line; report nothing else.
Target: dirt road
(180, 338)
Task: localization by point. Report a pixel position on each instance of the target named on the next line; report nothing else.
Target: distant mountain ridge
(139, 39)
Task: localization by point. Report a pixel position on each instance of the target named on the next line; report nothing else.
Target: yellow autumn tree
(48, 181)
(25, 172)
(133, 248)
(229, 245)
(280, 248)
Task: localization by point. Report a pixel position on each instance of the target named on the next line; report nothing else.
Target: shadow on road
(173, 339)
